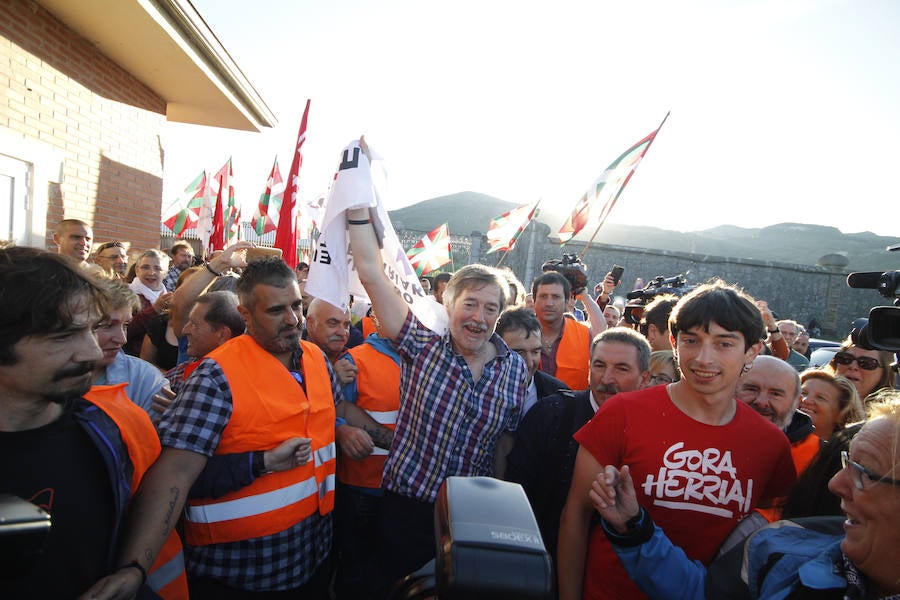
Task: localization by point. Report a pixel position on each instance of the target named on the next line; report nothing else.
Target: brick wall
(62, 92)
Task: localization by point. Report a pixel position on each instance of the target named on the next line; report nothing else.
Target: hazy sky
(781, 110)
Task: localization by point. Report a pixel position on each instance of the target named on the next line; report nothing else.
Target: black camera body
(658, 286)
(572, 269)
(882, 329)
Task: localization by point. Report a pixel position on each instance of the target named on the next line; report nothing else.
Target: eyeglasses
(661, 378)
(155, 268)
(858, 471)
(865, 363)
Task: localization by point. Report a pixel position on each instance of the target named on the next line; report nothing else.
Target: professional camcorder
(572, 269)
(882, 329)
(658, 286)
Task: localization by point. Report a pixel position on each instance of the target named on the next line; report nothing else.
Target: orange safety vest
(368, 326)
(166, 577)
(802, 453)
(268, 407)
(378, 393)
(573, 356)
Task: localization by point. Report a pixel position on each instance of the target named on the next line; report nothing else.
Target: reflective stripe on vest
(166, 576)
(378, 393)
(268, 407)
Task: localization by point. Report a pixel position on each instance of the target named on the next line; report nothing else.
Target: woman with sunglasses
(831, 401)
(869, 370)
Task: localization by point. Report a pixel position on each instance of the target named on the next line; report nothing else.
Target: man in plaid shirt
(458, 393)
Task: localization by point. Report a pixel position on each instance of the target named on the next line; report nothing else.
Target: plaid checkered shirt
(448, 424)
(281, 561)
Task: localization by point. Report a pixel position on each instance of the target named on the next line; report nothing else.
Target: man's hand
(355, 442)
(162, 399)
(290, 453)
(612, 494)
(229, 259)
(345, 370)
(121, 585)
(162, 302)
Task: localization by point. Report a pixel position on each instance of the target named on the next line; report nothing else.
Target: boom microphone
(868, 280)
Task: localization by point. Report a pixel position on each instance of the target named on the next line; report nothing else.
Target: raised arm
(390, 308)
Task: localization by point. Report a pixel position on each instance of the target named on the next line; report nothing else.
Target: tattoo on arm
(381, 436)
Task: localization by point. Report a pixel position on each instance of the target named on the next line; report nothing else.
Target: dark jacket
(547, 384)
(543, 457)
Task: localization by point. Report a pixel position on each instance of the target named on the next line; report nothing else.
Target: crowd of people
(207, 429)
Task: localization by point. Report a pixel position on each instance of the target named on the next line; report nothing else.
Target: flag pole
(507, 251)
(627, 179)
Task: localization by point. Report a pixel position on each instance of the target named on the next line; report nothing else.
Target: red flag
(431, 252)
(286, 234)
(218, 237)
(595, 205)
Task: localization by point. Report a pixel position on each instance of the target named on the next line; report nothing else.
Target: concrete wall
(796, 292)
(63, 95)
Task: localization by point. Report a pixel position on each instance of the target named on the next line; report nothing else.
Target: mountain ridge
(797, 243)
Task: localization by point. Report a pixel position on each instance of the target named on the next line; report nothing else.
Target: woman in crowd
(663, 368)
(150, 268)
(869, 370)
(830, 400)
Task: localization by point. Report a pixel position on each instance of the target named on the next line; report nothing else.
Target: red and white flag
(221, 219)
(431, 252)
(286, 232)
(269, 203)
(596, 203)
(506, 229)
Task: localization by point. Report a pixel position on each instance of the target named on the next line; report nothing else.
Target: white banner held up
(332, 276)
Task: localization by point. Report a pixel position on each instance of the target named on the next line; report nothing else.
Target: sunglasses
(108, 245)
(859, 470)
(865, 363)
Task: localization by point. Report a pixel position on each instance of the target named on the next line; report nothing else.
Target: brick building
(88, 88)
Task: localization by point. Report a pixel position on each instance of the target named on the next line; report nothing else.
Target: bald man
(73, 240)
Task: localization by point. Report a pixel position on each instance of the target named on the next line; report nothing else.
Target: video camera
(572, 269)
(658, 286)
(882, 329)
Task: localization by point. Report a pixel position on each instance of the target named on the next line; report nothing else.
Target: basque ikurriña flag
(596, 203)
(431, 252)
(184, 211)
(269, 203)
(506, 229)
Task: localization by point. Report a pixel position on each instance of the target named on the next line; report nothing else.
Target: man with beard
(543, 457)
(459, 392)
(77, 452)
(251, 393)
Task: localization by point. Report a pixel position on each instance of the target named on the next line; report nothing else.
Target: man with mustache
(77, 452)
(459, 392)
(543, 457)
(251, 393)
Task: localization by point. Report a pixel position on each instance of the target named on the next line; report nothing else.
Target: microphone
(869, 280)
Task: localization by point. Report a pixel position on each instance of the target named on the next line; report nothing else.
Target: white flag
(332, 276)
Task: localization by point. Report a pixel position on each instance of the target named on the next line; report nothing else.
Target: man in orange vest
(54, 425)
(253, 392)
(375, 389)
(565, 352)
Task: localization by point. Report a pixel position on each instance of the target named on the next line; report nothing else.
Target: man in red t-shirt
(700, 460)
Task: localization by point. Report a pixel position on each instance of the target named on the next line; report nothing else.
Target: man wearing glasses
(112, 257)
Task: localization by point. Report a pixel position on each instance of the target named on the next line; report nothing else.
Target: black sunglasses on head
(108, 245)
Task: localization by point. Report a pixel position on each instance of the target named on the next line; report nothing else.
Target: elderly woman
(869, 370)
(830, 400)
(854, 556)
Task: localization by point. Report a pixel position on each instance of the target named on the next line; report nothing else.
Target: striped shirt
(449, 424)
(281, 561)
